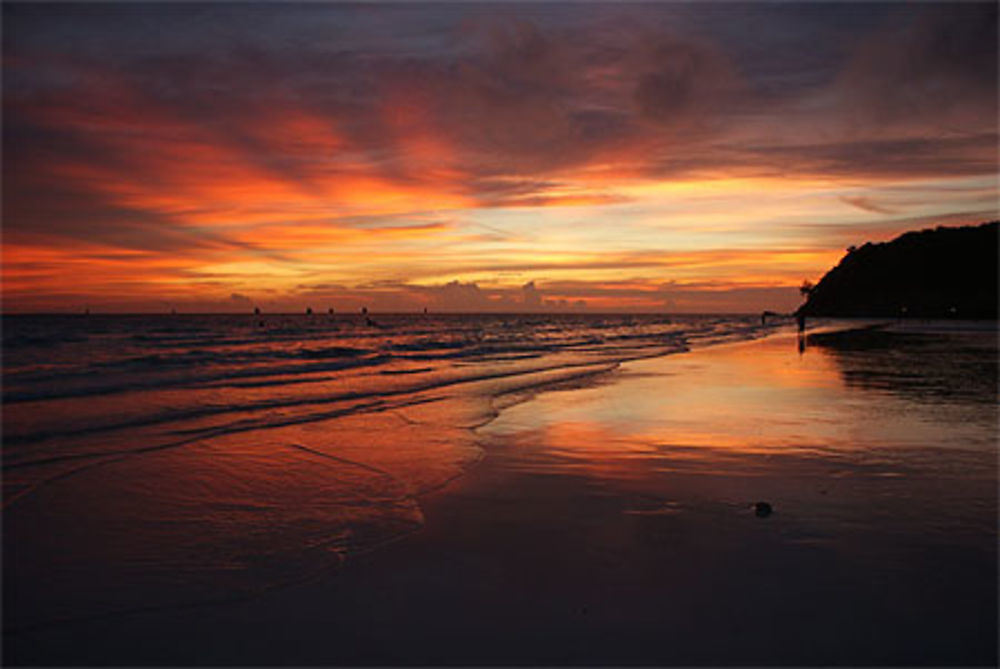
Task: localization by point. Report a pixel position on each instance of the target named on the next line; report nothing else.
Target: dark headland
(938, 273)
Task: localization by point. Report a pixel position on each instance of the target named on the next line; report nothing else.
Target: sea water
(168, 460)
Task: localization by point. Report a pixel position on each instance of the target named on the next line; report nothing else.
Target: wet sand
(612, 523)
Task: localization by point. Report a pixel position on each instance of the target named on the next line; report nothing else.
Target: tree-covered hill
(939, 273)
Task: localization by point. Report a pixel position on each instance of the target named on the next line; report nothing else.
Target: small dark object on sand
(762, 509)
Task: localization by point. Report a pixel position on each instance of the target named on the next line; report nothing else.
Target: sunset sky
(480, 157)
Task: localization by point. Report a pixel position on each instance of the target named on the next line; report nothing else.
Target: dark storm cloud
(900, 158)
(683, 84)
(934, 64)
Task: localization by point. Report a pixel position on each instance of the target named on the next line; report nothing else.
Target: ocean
(170, 460)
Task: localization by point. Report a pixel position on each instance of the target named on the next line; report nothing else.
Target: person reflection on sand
(800, 320)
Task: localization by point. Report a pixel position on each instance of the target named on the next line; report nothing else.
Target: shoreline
(601, 527)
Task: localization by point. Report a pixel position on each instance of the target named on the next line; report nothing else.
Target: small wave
(42, 340)
(417, 370)
(428, 345)
(332, 352)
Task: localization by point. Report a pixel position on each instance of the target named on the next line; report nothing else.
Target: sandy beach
(611, 521)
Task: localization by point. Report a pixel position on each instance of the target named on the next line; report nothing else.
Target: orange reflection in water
(740, 409)
(228, 512)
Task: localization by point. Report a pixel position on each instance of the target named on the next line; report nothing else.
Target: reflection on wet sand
(208, 515)
(872, 483)
(759, 398)
(928, 367)
(616, 521)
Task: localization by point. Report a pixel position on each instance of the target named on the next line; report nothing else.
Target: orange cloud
(512, 151)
